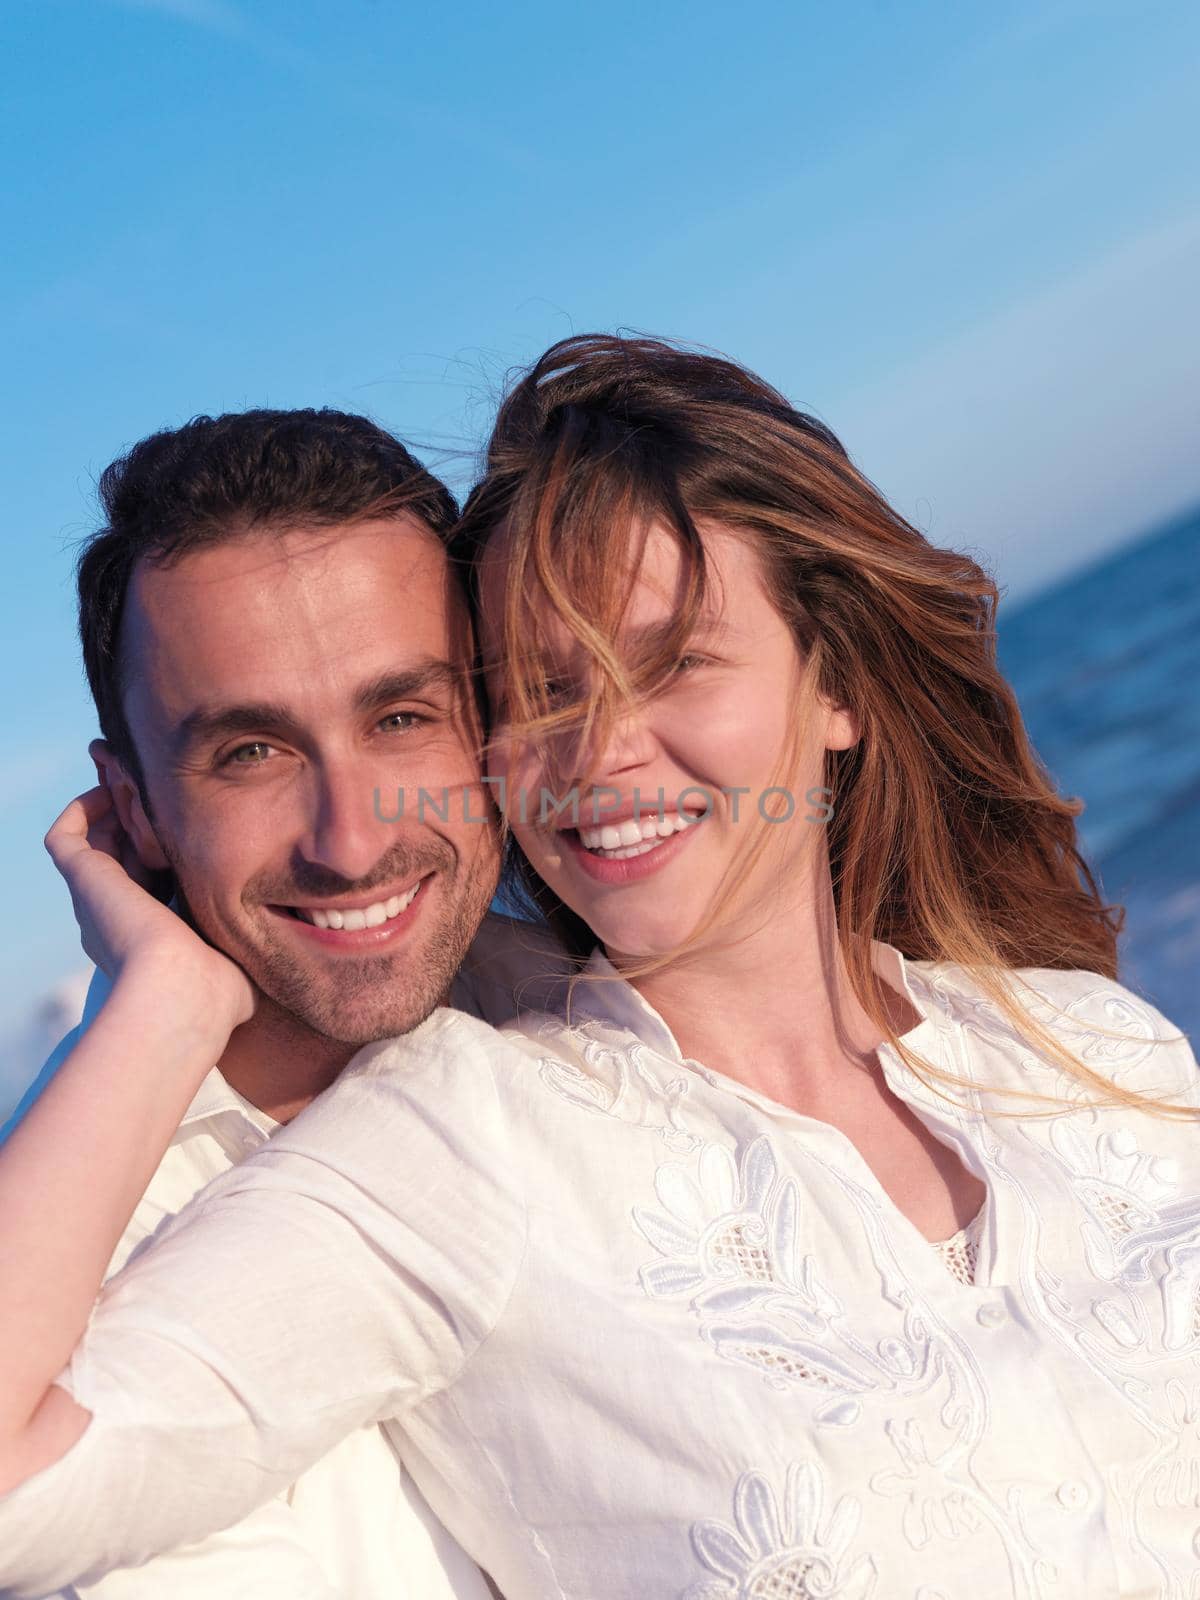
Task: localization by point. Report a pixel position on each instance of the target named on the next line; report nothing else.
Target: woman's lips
(628, 869)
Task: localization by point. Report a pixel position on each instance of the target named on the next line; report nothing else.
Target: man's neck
(279, 1065)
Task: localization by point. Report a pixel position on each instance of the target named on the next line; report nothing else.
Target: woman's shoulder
(1110, 1028)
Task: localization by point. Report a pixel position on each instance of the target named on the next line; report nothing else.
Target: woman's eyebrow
(652, 635)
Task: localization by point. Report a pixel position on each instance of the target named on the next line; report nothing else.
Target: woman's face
(687, 781)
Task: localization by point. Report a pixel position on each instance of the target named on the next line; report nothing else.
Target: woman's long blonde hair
(948, 839)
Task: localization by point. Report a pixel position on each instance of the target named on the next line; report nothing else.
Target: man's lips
(362, 922)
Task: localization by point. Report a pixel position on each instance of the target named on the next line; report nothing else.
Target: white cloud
(216, 15)
(26, 1048)
(1058, 427)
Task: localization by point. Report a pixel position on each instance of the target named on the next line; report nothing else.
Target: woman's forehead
(652, 570)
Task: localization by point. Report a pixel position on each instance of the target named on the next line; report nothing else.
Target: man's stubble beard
(355, 1001)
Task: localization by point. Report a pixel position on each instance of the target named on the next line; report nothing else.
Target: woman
(837, 1235)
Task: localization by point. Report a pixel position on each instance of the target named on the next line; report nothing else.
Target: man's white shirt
(354, 1526)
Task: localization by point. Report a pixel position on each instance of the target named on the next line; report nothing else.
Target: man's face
(289, 693)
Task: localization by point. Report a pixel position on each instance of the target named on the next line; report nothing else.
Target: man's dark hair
(220, 478)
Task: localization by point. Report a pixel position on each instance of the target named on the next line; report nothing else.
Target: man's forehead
(269, 615)
(395, 549)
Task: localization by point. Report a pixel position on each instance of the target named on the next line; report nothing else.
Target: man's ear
(127, 798)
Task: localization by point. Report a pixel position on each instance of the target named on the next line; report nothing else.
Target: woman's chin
(657, 943)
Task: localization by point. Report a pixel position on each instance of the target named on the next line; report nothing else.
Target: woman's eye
(556, 690)
(689, 663)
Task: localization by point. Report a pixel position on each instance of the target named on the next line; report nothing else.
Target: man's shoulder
(512, 968)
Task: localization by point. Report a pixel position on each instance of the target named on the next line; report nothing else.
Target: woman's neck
(774, 1010)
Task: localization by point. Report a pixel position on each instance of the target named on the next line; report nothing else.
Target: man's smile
(360, 922)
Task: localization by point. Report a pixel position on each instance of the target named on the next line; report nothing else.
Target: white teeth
(634, 838)
(638, 849)
(617, 836)
(372, 916)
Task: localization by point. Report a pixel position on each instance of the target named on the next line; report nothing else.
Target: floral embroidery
(788, 1554)
(618, 1078)
(1175, 1482)
(1121, 1186)
(729, 1239)
(931, 1507)
(1135, 1231)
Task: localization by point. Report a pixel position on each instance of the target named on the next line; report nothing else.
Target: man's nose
(344, 833)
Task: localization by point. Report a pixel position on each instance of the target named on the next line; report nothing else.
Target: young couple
(794, 1205)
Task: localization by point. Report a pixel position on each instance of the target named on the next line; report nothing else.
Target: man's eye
(248, 755)
(401, 721)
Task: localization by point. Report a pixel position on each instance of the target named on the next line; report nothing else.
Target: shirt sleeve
(340, 1276)
(264, 1554)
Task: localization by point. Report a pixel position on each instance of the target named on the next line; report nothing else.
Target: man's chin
(354, 1018)
(345, 1027)
(361, 1001)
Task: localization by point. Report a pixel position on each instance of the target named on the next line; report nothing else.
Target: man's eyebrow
(433, 674)
(207, 723)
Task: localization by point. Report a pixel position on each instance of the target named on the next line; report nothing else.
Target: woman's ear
(841, 728)
(127, 799)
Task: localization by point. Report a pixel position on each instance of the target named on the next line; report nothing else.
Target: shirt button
(1073, 1495)
(249, 1142)
(991, 1316)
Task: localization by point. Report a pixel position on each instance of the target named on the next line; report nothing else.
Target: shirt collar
(612, 999)
(216, 1097)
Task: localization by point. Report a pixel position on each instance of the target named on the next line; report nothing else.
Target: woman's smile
(629, 851)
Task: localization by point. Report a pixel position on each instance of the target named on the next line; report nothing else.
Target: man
(276, 647)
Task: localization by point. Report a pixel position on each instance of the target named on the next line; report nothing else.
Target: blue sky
(966, 236)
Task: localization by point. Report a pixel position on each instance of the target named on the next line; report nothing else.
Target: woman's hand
(122, 925)
(74, 1168)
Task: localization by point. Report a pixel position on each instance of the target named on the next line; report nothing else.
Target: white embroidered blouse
(639, 1331)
